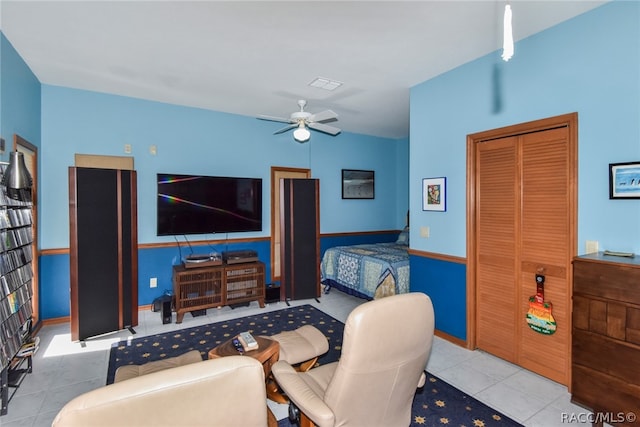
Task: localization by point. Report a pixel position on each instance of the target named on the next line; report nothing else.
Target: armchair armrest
(300, 393)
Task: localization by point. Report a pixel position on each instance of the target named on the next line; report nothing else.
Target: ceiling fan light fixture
(301, 134)
(303, 122)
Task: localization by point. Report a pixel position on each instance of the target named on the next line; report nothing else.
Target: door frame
(278, 172)
(571, 122)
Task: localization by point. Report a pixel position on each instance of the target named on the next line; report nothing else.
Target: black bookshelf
(16, 275)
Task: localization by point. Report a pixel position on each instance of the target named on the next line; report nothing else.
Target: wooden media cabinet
(208, 287)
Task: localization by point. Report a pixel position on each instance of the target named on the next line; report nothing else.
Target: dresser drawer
(615, 320)
(608, 356)
(603, 393)
(615, 281)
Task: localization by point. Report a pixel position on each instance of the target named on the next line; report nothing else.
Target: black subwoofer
(166, 311)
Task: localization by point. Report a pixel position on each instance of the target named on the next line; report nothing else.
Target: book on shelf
(29, 348)
(13, 302)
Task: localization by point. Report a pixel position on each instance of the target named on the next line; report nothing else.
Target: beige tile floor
(64, 369)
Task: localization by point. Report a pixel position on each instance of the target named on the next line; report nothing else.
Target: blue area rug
(436, 404)
(439, 404)
(204, 338)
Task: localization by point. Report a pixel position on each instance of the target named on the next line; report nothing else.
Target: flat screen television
(197, 204)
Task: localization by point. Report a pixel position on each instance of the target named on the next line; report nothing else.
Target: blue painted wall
(54, 296)
(402, 182)
(589, 65)
(19, 98)
(327, 242)
(196, 141)
(444, 282)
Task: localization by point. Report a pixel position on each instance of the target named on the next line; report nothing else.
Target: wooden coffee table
(267, 353)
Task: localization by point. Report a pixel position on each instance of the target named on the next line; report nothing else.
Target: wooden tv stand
(214, 286)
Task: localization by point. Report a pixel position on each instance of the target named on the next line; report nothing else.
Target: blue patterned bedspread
(375, 270)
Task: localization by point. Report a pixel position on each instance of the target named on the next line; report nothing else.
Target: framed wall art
(358, 184)
(624, 180)
(434, 194)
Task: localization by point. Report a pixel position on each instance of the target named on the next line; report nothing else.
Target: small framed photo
(434, 194)
(624, 180)
(358, 184)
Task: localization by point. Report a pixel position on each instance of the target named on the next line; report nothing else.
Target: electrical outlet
(591, 246)
(127, 148)
(153, 282)
(424, 232)
(153, 150)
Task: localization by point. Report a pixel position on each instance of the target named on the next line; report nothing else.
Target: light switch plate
(591, 246)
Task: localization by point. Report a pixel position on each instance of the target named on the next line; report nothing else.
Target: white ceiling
(258, 57)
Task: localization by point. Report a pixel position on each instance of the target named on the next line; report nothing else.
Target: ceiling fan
(303, 120)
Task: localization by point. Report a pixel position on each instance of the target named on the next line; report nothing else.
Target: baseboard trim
(450, 338)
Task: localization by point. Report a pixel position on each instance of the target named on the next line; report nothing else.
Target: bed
(368, 271)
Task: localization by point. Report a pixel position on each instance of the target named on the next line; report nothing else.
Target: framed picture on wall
(434, 194)
(624, 180)
(358, 184)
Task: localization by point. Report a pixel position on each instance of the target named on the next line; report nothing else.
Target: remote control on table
(238, 345)
(247, 340)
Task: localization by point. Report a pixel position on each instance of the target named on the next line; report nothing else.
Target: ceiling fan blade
(323, 116)
(324, 128)
(286, 128)
(274, 119)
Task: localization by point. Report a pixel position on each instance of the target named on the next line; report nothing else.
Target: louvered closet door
(497, 215)
(545, 239)
(524, 225)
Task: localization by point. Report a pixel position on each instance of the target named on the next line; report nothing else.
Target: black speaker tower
(300, 239)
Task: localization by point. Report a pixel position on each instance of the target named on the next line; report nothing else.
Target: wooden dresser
(605, 368)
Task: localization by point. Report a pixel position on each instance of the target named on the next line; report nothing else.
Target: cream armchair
(385, 348)
(229, 391)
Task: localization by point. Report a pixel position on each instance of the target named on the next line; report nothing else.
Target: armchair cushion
(302, 344)
(221, 392)
(309, 384)
(126, 372)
